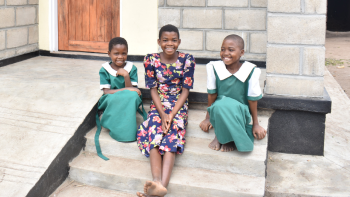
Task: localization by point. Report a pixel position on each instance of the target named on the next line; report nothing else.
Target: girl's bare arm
(205, 124)
(125, 74)
(258, 132)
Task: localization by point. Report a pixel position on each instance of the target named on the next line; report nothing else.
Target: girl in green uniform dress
(121, 99)
(233, 92)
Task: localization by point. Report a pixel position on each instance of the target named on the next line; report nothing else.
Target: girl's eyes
(167, 40)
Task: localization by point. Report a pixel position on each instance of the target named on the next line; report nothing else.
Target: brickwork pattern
(204, 23)
(18, 27)
(295, 49)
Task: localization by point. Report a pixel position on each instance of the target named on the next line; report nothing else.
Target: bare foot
(154, 189)
(215, 144)
(228, 147)
(144, 195)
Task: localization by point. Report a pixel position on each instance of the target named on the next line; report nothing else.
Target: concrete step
(71, 188)
(129, 176)
(196, 155)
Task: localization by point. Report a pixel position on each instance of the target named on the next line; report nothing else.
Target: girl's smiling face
(118, 54)
(169, 42)
(230, 52)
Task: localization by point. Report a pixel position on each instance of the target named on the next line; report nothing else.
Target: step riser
(188, 159)
(133, 185)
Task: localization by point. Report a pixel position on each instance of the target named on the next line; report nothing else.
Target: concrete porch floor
(304, 175)
(43, 101)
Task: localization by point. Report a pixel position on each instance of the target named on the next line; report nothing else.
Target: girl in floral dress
(169, 75)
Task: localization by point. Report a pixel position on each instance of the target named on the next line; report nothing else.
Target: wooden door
(87, 25)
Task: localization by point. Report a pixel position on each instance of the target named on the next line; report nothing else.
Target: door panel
(87, 25)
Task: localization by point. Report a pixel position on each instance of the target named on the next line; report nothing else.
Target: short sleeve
(211, 79)
(150, 75)
(104, 79)
(254, 90)
(188, 80)
(133, 76)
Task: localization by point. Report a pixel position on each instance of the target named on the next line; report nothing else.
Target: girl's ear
(179, 41)
(109, 53)
(242, 52)
(159, 42)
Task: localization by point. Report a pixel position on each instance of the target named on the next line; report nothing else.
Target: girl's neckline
(110, 63)
(236, 70)
(170, 63)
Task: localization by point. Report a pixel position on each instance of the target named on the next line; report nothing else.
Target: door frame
(53, 24)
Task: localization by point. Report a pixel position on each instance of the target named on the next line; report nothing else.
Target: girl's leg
(156, 164)
(155, 187)
(168, 164)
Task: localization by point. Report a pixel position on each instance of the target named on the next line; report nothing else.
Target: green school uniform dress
(229, 114)
(120, 108)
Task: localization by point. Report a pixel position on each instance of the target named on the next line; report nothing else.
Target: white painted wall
(44, 30)
(139, 25)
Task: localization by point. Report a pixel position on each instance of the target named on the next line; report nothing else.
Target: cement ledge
(315, 105)
(58, 170)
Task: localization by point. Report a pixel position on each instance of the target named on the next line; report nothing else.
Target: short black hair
(169, 28)
(115, 41)
(238, 39)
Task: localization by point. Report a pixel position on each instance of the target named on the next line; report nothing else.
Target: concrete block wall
(18, 27)
(295, 50)
(204, 23)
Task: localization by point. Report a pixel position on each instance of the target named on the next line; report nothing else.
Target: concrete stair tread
(129, 175)
(72, 188)
(197, 154)
(192, 145)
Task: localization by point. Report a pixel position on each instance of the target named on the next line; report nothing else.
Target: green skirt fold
(230, 120)
(119, 114)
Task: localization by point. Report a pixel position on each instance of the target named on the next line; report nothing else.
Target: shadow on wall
(338, 15)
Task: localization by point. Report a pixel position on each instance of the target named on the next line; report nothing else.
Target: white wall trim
(53, 25)
(121, 18)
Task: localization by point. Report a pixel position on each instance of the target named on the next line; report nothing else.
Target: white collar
(110, 70)
(242, 74)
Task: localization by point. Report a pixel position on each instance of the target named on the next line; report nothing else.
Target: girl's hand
(134, 89)
(205, 125)
(168, 122)
(259, 132)
(165, 120)
(122, 72)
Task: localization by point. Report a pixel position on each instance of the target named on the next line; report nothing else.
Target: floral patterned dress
(169, 80)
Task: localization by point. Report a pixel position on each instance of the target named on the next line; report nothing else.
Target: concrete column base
(298, 124)
(297, 132)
